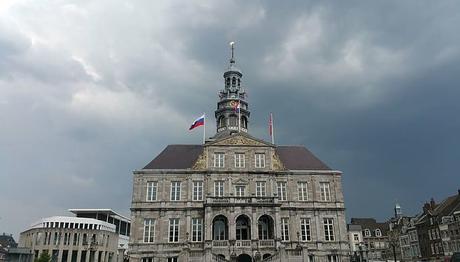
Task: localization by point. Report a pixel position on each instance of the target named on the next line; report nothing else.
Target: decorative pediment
(277, 164)
(240, 181)
(200, 163)
(240, 140)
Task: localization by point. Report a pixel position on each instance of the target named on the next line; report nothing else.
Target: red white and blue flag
(198, 122)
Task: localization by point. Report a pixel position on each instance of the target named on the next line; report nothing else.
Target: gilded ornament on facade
(277, 164)
(200, 162)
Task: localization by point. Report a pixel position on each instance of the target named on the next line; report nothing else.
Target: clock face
(233, 103)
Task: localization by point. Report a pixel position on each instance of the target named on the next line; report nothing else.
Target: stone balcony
(242, 201)
(244, 243)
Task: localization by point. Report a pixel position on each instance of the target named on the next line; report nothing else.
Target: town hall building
(237, 197)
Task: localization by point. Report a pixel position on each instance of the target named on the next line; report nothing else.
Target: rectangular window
(260, 189)
(173, 229)
(197, 190)
(149, 230)
(305, 229)
(219, 160)
(239, 191)
(325, 191)
(152, 191)
(219, 188)
(239, 160)
(332, 258)
(285, 229)
(328, 229)
(303, 193)
(282, 194)
(197, 229)
(259, 160)
(172, 259)
(356, 237)
(147, 259)
(175, 191)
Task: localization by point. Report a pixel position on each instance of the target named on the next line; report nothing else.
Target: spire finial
(232, 45)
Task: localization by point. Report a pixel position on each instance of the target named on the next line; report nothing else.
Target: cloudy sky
(91, 90)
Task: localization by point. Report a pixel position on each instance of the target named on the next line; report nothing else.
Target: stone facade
(237, 198)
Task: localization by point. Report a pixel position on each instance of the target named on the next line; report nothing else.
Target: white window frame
(197, 191)
(367, 232)
(328, 226)
(240, 191)
(219, 188)
(325, 189)
(281, 189)
(261, 188)
(174, 230)
(152, 191)
(284, 229)
(149, 230)
(197, 229)
(175, 190)
(302, 188)
(240, 160)
(305, 229)
(259, 160)
(219, 160)
(378, 233)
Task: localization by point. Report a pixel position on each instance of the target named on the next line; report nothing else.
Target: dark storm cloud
(91, 91)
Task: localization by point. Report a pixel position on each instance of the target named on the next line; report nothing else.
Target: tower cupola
(232, 112)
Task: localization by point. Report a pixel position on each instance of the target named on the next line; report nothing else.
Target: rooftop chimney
(432, 203)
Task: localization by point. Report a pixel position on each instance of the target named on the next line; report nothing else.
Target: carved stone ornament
(240, 140)
(277, 164)
(200, 163)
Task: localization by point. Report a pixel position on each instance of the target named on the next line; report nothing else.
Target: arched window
(367, 232)
(378, 233)
(243, 228)
(221, 122)
(234, 81)
(239, 82)
(220, 228)
(265, 227)
(233, 120)
(227, 82)
(244, 122)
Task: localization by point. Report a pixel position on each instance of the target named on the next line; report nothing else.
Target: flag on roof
(198, 122)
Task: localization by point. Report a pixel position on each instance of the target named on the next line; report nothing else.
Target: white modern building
(72, 239)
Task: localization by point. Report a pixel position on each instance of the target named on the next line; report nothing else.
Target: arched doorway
(243, 228)
(244, 258)
(265, 256)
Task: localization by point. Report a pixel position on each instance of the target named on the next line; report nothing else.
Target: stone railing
(243, 243)
(241, 200)
(220, 243)
(267, 243)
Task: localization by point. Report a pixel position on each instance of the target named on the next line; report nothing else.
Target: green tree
(44, 257)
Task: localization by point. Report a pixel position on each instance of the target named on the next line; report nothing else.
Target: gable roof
(371, 224)
(176, 157)
(299, 158)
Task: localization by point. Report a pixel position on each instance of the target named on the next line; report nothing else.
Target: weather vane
(232, 44)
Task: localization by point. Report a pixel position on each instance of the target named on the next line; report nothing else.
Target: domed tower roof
(232, 114)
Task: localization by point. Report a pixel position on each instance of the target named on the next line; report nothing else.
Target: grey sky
(90, 90)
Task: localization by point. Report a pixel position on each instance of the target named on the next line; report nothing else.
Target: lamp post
(299, 247)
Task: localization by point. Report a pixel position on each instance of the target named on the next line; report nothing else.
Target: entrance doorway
(244, 258)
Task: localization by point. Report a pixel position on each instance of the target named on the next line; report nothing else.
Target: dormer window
(367, 233)
(378, 233)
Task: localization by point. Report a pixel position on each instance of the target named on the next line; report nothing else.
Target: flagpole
(239, 116)
(273, 128)
(204, 129)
